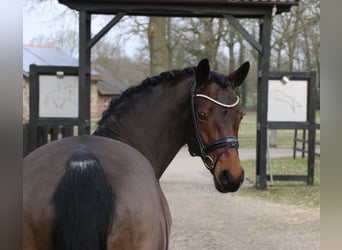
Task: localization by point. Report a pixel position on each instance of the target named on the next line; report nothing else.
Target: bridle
(224, 142)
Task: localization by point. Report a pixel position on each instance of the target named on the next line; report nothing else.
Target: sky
(47, 18)
(40, 21)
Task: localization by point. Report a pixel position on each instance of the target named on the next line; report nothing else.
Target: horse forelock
(220, 79)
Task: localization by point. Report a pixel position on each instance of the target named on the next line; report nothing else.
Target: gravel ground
(206, 219)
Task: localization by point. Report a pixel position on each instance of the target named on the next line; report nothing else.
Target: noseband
(225, 142)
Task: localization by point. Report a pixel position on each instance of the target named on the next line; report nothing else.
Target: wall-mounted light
(60, 74)
(274, 10)
(285, 80)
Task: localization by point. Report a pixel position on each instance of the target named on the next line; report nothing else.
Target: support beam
(104, 30)
(235, 23)
(262, 106)
(84, 73)
(312, 129)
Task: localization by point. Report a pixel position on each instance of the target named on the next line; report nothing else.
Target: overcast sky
(46, 18)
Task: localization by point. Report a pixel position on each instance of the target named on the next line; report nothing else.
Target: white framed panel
(58, 96)
(287, 102)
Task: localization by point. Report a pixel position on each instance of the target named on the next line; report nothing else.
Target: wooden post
(84, 72)
(312, 128)
(263, 75)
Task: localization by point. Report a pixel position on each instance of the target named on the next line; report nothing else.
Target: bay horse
(102, 191)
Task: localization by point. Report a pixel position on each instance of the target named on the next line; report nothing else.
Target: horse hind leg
(83, 204)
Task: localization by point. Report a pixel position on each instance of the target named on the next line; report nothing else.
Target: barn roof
(110, 85)
(179, 7)
(53, 56)
(45, 56)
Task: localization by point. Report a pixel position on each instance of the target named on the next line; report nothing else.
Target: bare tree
(295, 40)
(109, 56)
(158, 44)
(166, 43)
(67, 40)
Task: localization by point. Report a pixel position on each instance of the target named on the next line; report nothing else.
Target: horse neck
(156, 123)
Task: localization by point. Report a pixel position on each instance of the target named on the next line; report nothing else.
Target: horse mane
(116, 105)
(120, 104)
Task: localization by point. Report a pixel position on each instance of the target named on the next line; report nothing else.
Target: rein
(224, 142)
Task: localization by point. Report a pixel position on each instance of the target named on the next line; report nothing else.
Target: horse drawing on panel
(102, 191)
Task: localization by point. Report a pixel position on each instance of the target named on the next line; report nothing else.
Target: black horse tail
(83, 205)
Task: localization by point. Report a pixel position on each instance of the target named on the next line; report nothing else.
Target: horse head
(216, 118)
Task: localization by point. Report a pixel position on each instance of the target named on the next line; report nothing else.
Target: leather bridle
(224, 142)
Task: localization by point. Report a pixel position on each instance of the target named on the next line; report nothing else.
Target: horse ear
(239, 75)
(203, 72)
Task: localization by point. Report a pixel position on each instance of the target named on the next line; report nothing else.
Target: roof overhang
(182, 8)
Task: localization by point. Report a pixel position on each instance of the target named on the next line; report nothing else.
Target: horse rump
(83, 204)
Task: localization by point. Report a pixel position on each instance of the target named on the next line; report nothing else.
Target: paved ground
(206, 219)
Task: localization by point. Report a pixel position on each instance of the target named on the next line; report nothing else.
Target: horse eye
(202, 116)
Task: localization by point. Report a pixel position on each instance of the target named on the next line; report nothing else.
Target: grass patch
(288, 192)
(247, 133)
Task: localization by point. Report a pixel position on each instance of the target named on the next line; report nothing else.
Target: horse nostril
(242, 177)
(227, 179)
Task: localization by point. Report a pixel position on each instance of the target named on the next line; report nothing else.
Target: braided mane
(120, 104)
(116, 105)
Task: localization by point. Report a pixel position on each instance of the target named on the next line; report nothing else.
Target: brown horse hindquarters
(141, 216)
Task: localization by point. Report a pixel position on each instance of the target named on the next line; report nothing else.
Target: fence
(36, 136)
(303, 141)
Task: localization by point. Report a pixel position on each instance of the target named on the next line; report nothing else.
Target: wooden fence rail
(36, 136)
(303, 141)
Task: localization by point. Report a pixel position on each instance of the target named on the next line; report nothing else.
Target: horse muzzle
(228, 173)
(225, 183)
